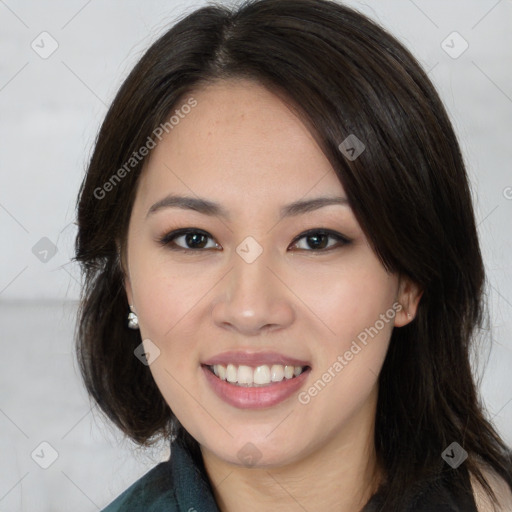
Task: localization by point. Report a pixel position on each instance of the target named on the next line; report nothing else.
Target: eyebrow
(212, 208)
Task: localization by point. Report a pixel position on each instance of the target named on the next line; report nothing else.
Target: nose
(253, 299)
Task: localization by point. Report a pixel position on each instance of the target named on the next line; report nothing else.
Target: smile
(254, 395)
(264, 375)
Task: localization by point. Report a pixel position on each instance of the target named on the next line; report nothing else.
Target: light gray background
(50, 112)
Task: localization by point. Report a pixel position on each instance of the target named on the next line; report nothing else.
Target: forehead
(239, 138)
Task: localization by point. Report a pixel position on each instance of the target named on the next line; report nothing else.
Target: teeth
(288, 372)
(255, 377)
(277, 372)
(262, 375)
(245, 375)
(231, 373)
(221, 370)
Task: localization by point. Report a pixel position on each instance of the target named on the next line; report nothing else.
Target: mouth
(254, 381)
(259, 376)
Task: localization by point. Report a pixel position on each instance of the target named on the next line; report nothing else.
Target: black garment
(440, 495)
(181, 485)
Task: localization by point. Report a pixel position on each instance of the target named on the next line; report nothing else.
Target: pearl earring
(133, 319)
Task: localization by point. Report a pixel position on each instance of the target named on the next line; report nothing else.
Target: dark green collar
(191, 485)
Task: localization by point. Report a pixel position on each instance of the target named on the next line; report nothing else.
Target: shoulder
(500, 488)
(174, 485)
(153, 492)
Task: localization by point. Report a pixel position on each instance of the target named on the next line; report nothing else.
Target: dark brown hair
(409, 191)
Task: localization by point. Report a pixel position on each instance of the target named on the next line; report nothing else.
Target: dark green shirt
(181, 485)
(177, 485)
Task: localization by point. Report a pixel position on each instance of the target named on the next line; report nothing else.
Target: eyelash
(168, 239)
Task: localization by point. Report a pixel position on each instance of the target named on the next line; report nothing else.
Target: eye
(194, 240)
(318, 240)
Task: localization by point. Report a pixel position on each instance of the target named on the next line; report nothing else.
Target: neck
(341, 474)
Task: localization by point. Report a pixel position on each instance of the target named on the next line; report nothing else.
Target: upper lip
(253, 359)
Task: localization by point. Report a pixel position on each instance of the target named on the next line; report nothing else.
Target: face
(254, 284)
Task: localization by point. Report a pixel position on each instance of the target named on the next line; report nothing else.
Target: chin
(254, 452)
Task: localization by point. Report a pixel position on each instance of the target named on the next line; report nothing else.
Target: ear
(409, 295)
(128, 289)
(126, 276)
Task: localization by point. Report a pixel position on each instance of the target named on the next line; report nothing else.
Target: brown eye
(190, 240)
(196, 240)
(318, 240)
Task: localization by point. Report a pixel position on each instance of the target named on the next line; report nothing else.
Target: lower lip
(256, 397)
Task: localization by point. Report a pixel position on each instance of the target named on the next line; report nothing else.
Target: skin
(242, 147)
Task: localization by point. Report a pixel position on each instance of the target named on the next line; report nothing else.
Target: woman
(282, 272)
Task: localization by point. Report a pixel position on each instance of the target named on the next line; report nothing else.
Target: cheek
(167, 304)
(347, 299)
(171, 302)
(358, 308)
(165, 293)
